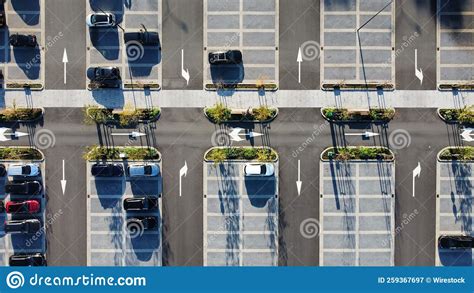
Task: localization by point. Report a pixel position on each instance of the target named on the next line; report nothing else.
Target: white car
(100, 20)
(27, 170)
(253, 169)
(143, 170)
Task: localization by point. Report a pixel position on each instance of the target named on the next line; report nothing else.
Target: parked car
(143, 170)
(17, 40)
(107, 170)
(146, 223)
(456, 242)
(28, 226)
(143, 36)
(140, 203)
(2, 206)
(101, 20)
(225, 57)
(27, 260)
(24, 187)
(22, 207)
(26, 170)
(105, 76)
(256, 169)
(3, 170)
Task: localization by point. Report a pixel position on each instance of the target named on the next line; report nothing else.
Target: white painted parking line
(357, 214)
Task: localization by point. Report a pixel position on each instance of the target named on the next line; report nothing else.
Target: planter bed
(21, 86)
(251, 115)
(21, 114)
(20, 153)
(357, 87)
(456, 154)
(357, 153)
(261, 154)
(111, 116)
(94, 153)
(457, 116)
(343, 115)
(242, 86)
(152, 86)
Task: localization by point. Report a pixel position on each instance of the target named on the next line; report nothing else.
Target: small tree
(219, 113)
(263, 113)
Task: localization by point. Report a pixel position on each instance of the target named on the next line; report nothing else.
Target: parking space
(240, 217)
(454, 210)
(22, 243)
(455, 55)
(138, 64)
(250, 26)
(22, 65)
(353, 57)
(357, 213)
(109, 242)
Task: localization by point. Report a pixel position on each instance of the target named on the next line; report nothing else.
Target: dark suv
(24, 187)
(140, 203)
(143, 36)
(107, 170)
(225, 57)
(27, 226)
(456, 242)
(105, 76)
(27, 260)
(18, 40)
(141, 223)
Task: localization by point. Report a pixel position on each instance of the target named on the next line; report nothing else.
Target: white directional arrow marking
(133, 134)
(182, 172)
(184, 73)
(236, 133)
(299, 59)
(416, 173)
(4, 134)
(418, 73)
(467, 134)
(366, 134)
(65, 61)
(298, 183)
(63, 181)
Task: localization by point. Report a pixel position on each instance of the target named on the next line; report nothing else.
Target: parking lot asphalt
(182, 30)
(240, 217)
(455, 42)
(23, 243)
(357, 214)
(357, 38)
(65, 30)
(249, 26)
(109, 243)
(454, 205)
(415, 28)
(299, 27)
(106, 47)
(23, 64)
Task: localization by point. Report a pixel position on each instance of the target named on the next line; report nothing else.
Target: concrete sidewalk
(199, 98)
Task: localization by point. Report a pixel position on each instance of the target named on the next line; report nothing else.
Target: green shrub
(8, 153)
(219, 113)
(247, 153)
(263, 113)
(132, 153)
(14, 114)
(359, 153)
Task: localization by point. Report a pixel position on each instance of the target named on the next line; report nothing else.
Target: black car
(28, 226)
(225, 57)
(107, 170)
(140, 203)
(136, 224)
(456, 242)
(27, 260)
(143, 36)
(18, 40)
(3, 170)
(24, 187)
(105, 76)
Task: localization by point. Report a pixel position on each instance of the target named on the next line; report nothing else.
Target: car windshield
(147, 170)
(99, 18)
(263, 169)
(25, 169)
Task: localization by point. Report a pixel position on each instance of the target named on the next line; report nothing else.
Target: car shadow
(108, 38)
(227, 73)
(109, 98)
(29, 61)
(33, 7)
(107, 5)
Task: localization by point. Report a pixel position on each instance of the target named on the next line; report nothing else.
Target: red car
(22, 207)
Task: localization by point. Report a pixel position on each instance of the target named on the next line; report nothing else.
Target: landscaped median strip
(22, 115)
(96, 153)
(465, 153)
(342, 115)
(357, 153)
(221, 154)
(460, 116)
(125, 117)
(20, 153)
(219, 113)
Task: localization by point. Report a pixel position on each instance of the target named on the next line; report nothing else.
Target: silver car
(100, 20)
